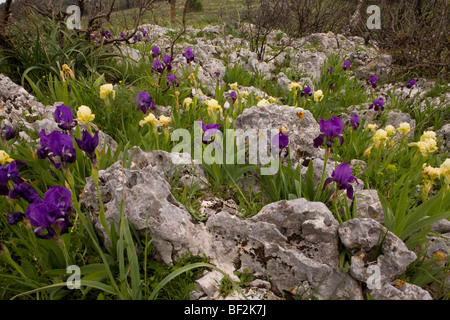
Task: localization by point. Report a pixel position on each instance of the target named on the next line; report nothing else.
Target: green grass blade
(186, 268)
(400, 211)
(92, 284)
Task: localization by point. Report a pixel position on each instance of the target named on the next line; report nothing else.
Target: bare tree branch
(144, 8)
(100, 14)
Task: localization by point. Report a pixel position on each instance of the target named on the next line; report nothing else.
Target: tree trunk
(173, 4)
(6, 14)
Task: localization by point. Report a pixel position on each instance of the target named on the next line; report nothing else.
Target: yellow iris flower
(84, 114)
(5, 158)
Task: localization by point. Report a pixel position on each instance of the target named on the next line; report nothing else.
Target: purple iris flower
(217, 74)
(155, 51)
(107, 34)
(12, 171)
(354, 120)
(15, 217)
(58, 147)
(122, 34)
(331, 129)
(51, 213)
(88, 144)
(411, 83)
(343, 178)
(7, 132)
(137, 38)
(25, 191)
(373, 81)
(59, 199)
(167, 60)
(157, 66)
(4, 189)
(377, 104)
(39, 217)
(331, 70)
(209, 131)
(144, 102)
(347, 65)
(188, 54)
(64, 116)
(233, 96)
(9, 172)
(172, 80)
(306, 92)
(144, 33)
(279, 142)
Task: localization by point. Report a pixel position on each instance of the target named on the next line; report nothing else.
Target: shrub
(194, 6)
(415, 33)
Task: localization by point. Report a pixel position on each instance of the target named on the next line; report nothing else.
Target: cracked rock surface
(295, 242)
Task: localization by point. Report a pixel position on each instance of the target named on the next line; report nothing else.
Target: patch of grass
(226, 287)
(182, 286)
(214, 12)
(438, 90)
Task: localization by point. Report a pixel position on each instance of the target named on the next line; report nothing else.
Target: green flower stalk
(429, 174)
(165, 122)
(105, 91)
(79, 214)
(70, 184)
(102, 210)
(295, 86)
(176, 112)
(89, 144)
(177, 102)
(237, 106)
(192, 78)
(155, 123)
(229, 123)
(325, 161)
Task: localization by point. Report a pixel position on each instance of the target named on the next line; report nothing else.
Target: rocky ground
(291, 247)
